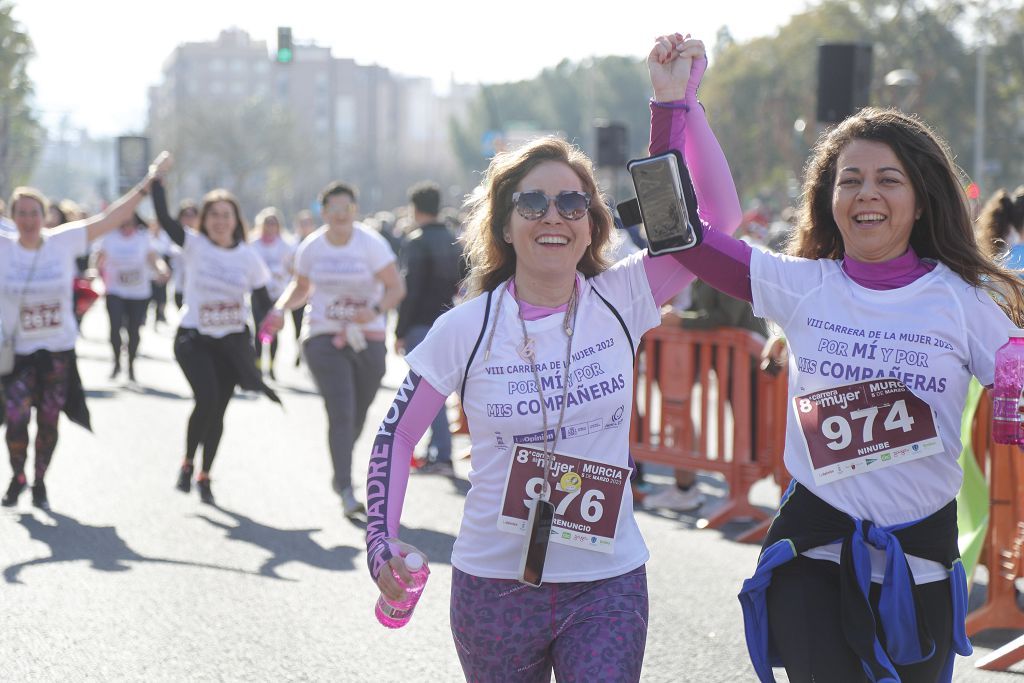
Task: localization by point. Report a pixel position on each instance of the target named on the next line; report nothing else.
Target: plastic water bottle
(1007, 398)
(398, 613)
(266, 335)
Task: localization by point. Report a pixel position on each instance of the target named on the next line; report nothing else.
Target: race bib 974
(861, 427)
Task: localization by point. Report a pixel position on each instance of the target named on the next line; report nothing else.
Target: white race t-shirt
(126, 265)
(39, 298)
(278, 257)
(343, 278)
(217, 284)
(932, 334)
(503, 409)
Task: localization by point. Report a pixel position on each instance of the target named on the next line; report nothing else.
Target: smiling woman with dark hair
(889, 307)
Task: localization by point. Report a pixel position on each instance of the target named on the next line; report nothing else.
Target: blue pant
(440, 436)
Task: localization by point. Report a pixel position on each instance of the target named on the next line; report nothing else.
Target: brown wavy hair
(222, 195)
(492, 260)
(943, 232)
(1001, 213)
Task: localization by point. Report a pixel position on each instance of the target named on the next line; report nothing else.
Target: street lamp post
(979, 115)
(908, 79)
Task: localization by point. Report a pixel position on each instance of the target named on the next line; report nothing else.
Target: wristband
(671, 104)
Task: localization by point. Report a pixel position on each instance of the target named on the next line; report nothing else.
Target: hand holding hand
(676, 64)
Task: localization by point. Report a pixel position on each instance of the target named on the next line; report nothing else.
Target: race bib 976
(586, 494)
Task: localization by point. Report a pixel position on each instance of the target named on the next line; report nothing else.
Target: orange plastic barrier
(1001, 554)
(671, 363)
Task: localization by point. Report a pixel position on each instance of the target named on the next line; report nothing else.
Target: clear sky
(96, 58)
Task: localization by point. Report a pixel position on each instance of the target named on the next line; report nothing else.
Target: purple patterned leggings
(584, 631)
(48, 391)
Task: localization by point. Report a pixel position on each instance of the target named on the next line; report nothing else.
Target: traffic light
(285, 50)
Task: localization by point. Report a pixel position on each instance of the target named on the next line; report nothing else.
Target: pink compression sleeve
(717, 204)
(412, 411)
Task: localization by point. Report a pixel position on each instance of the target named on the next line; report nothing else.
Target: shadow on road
(100, 393)
(71, 541)
(156, 393)
(285, 545)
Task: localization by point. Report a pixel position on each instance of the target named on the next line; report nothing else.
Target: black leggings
(129, 314)
(159, 299)
(259, 312)
(213, 381)
(807, 628)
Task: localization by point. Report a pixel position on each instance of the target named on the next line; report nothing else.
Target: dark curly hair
(943, 232)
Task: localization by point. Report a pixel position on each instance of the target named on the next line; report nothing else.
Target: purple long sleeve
(720, 260)
(412, 411)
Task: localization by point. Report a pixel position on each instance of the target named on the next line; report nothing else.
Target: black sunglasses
(533, 205)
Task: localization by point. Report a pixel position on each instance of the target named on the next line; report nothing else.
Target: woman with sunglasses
(37, 268)
(542, 355)
(348, 273)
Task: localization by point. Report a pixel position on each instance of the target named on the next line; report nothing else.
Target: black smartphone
(535, 550)
(667, 202)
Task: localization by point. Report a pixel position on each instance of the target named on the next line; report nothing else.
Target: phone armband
(665, 202)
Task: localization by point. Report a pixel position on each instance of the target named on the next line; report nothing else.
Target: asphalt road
(127, 579)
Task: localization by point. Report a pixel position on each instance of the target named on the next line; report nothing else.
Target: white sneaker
(349, 504)
(673, 498)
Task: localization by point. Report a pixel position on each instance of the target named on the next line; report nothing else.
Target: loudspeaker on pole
(844, 80)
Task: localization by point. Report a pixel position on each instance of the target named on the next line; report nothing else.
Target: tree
(20, 132)
(757, 90)
(251, 148)
(567, 99)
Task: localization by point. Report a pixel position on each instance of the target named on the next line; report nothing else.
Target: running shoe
(674, 498)
(185, 478)
(349, 505)
(39, 498)
(13, 491)
(442, 467)
(205, 494)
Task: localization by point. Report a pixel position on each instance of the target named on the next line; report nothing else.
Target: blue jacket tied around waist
(805, 521)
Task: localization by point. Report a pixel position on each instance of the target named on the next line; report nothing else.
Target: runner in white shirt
(124, 259)
(542, 356)
(213, 345)
(348, 274)
(278, 252)
(37, 269)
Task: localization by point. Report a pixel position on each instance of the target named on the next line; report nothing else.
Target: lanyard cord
(568, 325)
